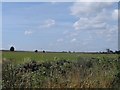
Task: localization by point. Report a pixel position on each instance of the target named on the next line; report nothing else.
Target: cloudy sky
(63, 26)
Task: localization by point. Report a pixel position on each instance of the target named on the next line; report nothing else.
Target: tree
(12, 48)
(109, 51)
(69, 51)
(43, 51)
(36, 51)
(117, 52)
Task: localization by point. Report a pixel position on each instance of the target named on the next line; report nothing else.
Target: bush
(85, 72)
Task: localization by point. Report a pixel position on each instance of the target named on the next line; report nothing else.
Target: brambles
(116, 80)
(86, 72)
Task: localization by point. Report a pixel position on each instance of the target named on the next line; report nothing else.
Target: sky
(60, 26)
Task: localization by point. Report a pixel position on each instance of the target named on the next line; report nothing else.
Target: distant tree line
(37, 51)
(118, 52)
(108, 51)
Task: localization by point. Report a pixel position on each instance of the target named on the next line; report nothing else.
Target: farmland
(60, 70)
(20, 57)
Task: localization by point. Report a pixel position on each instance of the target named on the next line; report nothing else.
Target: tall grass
(85, 72)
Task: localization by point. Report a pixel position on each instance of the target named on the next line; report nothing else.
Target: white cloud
(88, 24)
(65, 32)
(115, 14)
(53, 2)
(10, 45)
(60, 40)
(73, 40)
(88, 8)
(28, 32)
(73, 34)
(93, 15)
(98, 19)
(109, 34)
(2, 48)
(48, 23)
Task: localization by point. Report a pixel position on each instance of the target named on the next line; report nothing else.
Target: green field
(20, 57)
(60, 70)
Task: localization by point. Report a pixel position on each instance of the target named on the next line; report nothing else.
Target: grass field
(60, 70)
(20, 57)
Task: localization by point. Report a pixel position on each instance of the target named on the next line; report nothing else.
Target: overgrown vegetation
(85, 72)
